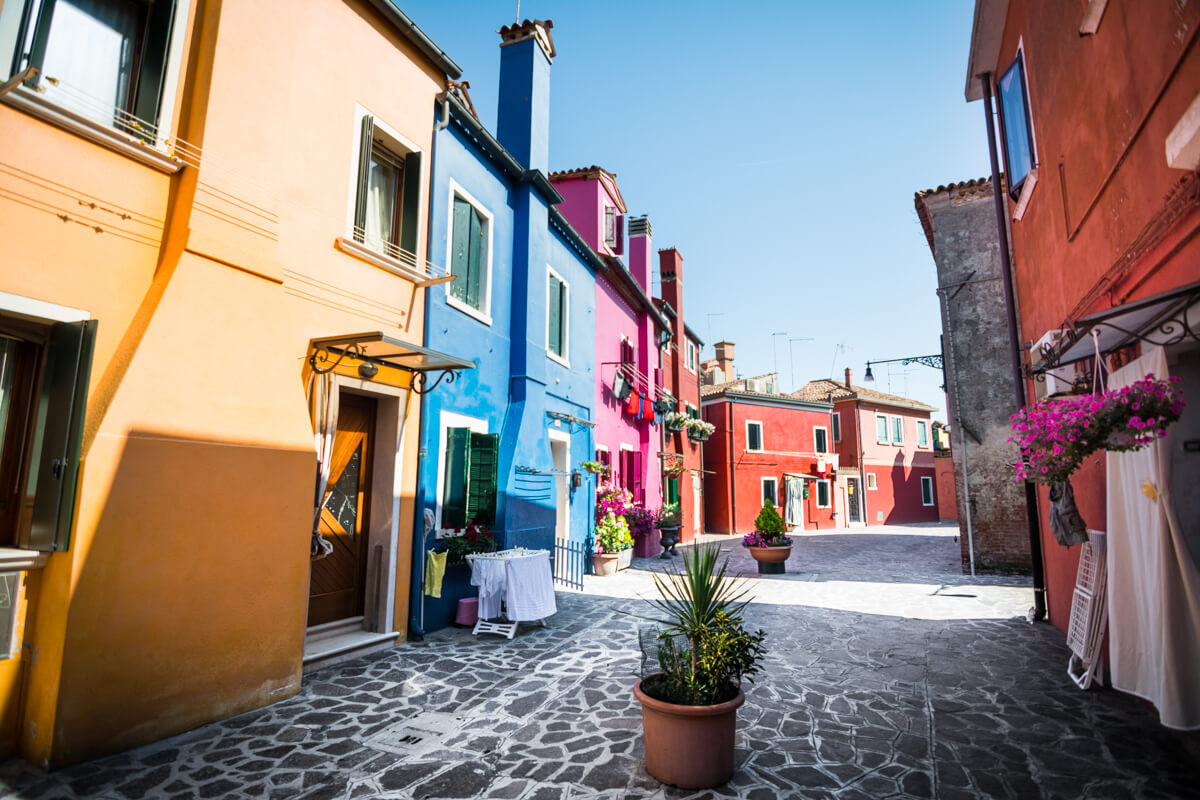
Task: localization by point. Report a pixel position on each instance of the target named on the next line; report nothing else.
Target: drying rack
(507, 628)
(1089, 612)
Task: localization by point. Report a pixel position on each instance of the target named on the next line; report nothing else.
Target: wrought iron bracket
(420, 379)
(321, 359)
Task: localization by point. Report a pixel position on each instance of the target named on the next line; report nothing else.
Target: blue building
(503, 443)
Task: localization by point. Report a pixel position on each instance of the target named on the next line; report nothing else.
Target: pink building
(629, 328)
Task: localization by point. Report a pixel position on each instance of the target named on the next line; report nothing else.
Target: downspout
(862, 456)
(1031, 510)
(732, 475)
(962, 428)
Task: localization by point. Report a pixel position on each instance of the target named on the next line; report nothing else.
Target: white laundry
(530, 591)
(489, 575)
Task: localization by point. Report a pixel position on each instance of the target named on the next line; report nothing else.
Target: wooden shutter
(483, 457)
(366, 143)
(474, 259)
(619, 249)
(672, 490)
(639, 491)
(454, 486)
(59, 435)
(153, 68)
(412, 203)
(459, 249)
(555, 322)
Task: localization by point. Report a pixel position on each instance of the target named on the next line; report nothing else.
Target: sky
(777, 145)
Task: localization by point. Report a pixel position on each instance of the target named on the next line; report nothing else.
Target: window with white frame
(926, 490)
(922, 433)
(770, 491)
(610, 226)
(1020, 156)
(558, 317)
(872, 481)
(469, 456)
(604, 456)
(692, 411)
(690, 358)
(114, 62)
(823, 494)
(387, 200)
(470, 255)
(897, 430)
(882, 435)
(837, 426)
(821, 439)
(754, 435)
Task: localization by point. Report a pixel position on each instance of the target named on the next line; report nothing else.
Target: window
(881, 429)
(631, 472)
(470, 256)
(628, 354)
(823, 494)
(872, 482)
(672, 493)
(837, 426)
(926, 491)
(610, 226)
(754, 436)
(388, 193)
(109, 58)
(821, 439)
(1019, 155)
(604, 456)
(43, 391)
(897, 430)
(692, 411)
(469, 478)
(922, 433)
(769, 491)
(557, 318)
(690, 358)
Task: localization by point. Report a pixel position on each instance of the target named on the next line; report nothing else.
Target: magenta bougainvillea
(612, 500)
(1056, 435)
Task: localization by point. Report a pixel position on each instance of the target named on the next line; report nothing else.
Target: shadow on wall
(191, 593)
(907, 504)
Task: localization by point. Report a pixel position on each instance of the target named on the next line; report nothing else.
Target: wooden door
(337, 586)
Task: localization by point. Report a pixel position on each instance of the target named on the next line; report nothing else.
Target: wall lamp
(934, 361)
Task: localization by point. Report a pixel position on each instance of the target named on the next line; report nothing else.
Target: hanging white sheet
(794, 512)
(530, 591)
(1153, 584)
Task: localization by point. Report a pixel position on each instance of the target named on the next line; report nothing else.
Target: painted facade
(1101, 200)
(886, 457)
(521, 275)
(195, 263)
(629, 328)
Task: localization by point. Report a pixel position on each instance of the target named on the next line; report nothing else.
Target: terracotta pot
(689, 746)
(605, 563)
(771, 559)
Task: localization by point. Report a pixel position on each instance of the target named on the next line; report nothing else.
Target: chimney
(724, 352)
(848, 374)
(523, 115)
(639, 250)
(670, 274)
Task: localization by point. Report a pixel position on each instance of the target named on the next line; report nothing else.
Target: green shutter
(365, 145)
(474, 264)
(482, 461)
(672, 490)
(154, 64)
(58, 435)
(459, 236)
(454, 485)
(555, 322)
(412, 203)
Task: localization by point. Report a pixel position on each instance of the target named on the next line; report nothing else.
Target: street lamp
(934, 361)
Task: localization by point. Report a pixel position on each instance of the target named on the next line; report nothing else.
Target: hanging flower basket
(698, 430)
(676, 421)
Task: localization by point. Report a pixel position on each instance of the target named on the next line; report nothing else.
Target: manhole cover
(423, 733)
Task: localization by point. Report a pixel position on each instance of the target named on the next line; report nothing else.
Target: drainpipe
(732, 475)
(962, 429)
(862, 458)
(1031, 510)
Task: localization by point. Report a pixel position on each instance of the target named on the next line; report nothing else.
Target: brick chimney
(639, 250)
(848, 374)
(724, 351)
(523, 115)
(670, 272)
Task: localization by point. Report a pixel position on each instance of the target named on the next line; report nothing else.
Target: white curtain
(90, 51)
(1153, 583)
(794, 500)
(323, 409)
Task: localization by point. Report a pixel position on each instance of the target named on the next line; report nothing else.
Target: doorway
(853, 502)
(697, 506)
(337, 588)
(560, 447)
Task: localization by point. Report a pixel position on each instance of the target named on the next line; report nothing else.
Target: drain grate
(423, 733)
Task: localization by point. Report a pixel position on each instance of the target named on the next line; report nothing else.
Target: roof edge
(416, 37)
(987, 28)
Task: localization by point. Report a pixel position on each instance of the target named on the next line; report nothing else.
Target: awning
(1164, 319)
(375, 348)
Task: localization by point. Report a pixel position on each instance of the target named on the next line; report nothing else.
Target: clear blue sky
(777, 145)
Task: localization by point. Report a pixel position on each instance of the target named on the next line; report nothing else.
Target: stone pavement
(889, 675)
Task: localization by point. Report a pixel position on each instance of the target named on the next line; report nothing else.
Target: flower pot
(645, 545)
(689, 746)
(605, 563)
(625, 559)
(668, 537)
(771, 559)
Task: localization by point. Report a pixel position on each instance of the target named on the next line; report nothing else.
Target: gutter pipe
(962, 428)
(1038, 612)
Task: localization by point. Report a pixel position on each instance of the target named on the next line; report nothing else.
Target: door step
(342, 640)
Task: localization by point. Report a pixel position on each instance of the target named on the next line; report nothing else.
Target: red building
(1099, 135)
(683, 462)
(885, 448)
(765, 446)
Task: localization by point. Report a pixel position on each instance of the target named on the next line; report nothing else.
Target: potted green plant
(594, 467)
(689, 707)
(676, 421)
(667, 521)
(698, 430)
(768, 545)
(612, 539)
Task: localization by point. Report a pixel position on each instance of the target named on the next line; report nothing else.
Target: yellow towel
(435, 568)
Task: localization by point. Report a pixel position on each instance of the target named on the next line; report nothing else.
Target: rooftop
(821, 390)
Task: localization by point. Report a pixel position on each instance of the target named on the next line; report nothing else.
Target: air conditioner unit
(1059, 380)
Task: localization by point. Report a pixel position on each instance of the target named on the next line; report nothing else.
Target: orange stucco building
(177, 228)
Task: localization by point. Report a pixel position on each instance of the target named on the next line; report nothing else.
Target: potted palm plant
(768, 545)
(689, 707)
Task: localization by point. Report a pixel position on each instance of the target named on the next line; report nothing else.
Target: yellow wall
(183, 596)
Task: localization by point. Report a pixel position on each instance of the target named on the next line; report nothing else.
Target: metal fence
(570, 559)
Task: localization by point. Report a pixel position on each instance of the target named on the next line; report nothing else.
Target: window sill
(13, 559)
(473, 313)
(558, 359)
(393, 265)
(33, 104)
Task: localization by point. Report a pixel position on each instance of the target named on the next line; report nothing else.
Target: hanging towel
(648, 409)
(489, 575)
(635, 403)
(435, 570)
(530, 594)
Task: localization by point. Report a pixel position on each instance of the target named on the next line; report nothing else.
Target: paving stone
(461, 780)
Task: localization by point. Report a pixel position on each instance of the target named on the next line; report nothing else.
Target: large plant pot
(771, 559)
(668, 538)
(625, 559)
(645, 545)
(605, 563)
(691, 747)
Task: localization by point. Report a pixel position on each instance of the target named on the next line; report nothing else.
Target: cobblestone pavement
(889, 675)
